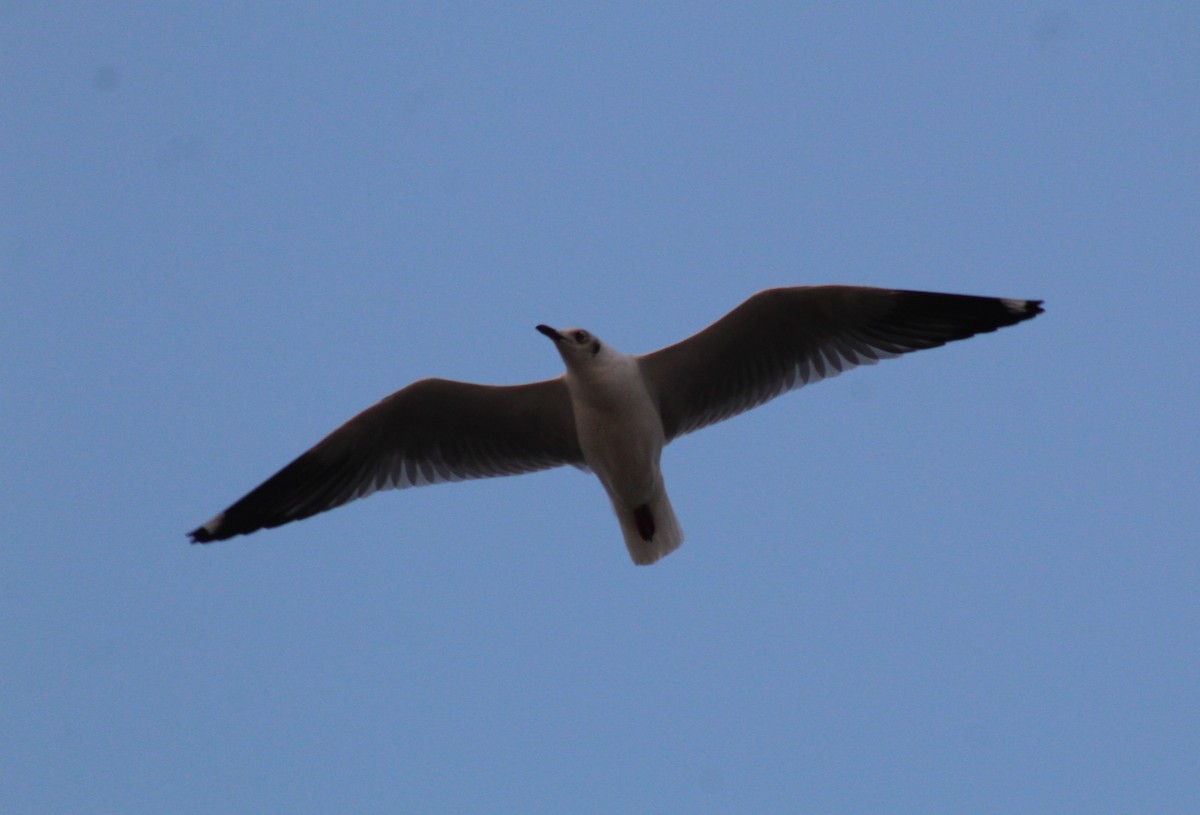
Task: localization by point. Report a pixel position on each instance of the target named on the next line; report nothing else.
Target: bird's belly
(622, 448)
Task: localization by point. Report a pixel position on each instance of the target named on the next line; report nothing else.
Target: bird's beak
(550, 332)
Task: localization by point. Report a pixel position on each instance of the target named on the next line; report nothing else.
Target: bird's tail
(651, 530)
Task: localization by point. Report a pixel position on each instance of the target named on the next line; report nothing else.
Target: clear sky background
(963, 581)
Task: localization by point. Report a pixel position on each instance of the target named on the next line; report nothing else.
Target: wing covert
(432, 431)
(781, 339)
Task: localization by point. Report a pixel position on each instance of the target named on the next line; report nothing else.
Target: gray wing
(434, 430)
(781, 339)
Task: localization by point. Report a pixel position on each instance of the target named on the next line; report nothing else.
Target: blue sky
(963, 581)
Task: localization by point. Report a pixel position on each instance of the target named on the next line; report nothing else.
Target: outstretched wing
(434, 430)
(781, 339)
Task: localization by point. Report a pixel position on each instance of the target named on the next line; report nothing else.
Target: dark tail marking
(644, 521)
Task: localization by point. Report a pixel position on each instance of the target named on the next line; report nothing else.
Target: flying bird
(612, 413)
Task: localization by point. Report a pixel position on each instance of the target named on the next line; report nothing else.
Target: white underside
(668, 535)
(622, 438)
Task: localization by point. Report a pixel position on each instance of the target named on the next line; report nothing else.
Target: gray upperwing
(781, 339)
(432, 431)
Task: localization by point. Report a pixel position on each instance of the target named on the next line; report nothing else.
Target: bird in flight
(612, 413)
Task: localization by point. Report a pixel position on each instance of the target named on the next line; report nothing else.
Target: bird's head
(578, 348)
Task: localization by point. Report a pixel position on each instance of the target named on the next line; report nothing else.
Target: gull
(611, 413)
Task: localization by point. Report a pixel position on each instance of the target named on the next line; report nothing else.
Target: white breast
(619, 428)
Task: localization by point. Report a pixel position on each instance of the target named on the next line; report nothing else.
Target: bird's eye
(581, 337)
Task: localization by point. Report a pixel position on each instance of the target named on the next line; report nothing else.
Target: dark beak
(550, 332)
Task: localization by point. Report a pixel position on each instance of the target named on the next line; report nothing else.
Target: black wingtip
(201, 535)
(1021, 310)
